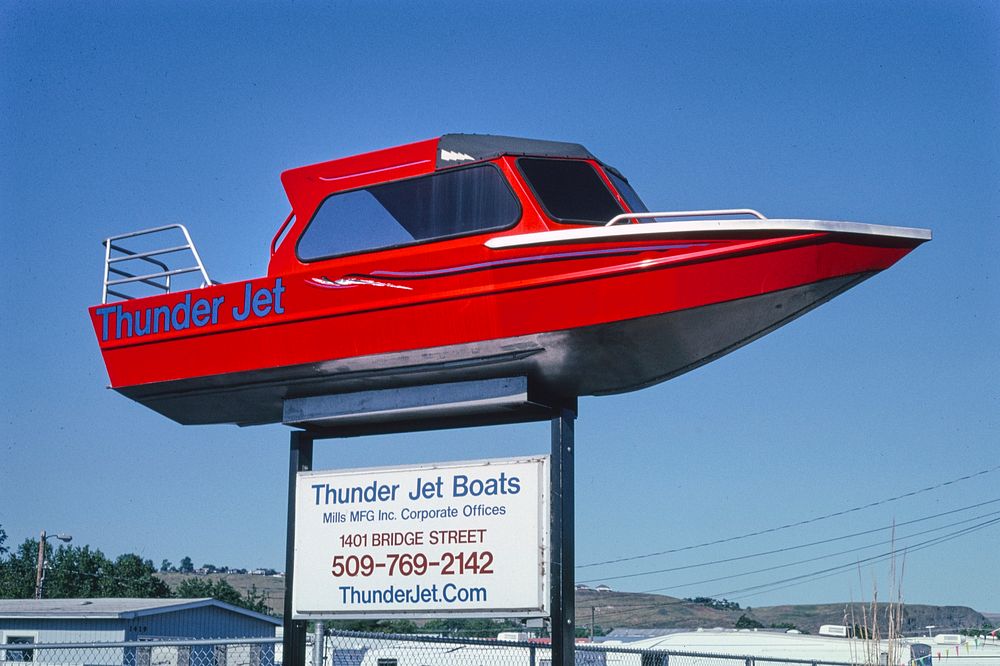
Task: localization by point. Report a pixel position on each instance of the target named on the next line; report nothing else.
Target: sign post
(563, 551)
(293, 642)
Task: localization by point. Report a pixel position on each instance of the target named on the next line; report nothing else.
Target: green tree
(788, 626)
(255, 600)
(198, 588)
(77, 572)
(377, 626)
(748, 623)
(17, 571)
(165, 566)
(3, 537)
(718, 604)
(134, 577)
(470, 627)
(187, 566)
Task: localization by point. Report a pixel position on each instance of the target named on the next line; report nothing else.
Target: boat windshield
(445, 204)
(630, 196)
(570, 190)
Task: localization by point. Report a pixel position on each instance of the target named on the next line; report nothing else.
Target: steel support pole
(563, 550)
(300, 459)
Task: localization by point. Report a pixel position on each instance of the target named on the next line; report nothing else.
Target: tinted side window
(449, 203)
(628, 194)
(570, 190)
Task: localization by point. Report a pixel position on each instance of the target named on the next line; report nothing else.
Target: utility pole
(40, 573)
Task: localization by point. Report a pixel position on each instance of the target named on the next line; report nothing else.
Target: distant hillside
(623, 609)
(915, 616)
(626, 609)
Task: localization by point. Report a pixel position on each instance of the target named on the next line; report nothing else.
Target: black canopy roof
(456, 149)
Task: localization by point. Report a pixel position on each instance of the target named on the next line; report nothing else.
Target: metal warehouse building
(26, 621)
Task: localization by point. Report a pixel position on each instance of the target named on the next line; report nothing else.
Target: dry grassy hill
(622, 609)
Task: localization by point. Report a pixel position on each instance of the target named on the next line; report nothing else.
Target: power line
(796, 524)
(873, 559)
(796, 547)
(826, 556)
(619, 610)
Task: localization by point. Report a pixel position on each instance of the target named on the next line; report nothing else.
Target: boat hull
(576, 318)
(593, 360)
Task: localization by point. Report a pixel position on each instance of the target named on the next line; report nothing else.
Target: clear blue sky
(119, 116)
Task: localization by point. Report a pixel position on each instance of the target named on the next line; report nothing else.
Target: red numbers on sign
(352, 565)
(413, 564)
(407, 565)
(463, 563)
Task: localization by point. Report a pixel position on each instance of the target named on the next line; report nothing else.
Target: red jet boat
(460, 258)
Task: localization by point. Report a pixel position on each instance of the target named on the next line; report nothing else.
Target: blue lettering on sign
(503, 485)
(118, 323)
(449, 593)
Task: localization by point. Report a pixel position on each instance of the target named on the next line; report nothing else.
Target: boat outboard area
(464, 258)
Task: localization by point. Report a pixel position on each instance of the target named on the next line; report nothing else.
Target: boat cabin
(442, 190)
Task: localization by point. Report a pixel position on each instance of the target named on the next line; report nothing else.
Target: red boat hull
(580, 319)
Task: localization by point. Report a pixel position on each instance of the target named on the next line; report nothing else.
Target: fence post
(319, 640)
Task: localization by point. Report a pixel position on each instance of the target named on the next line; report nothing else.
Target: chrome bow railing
(685, 213)
(126, 266)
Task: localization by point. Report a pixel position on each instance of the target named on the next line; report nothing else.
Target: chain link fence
(341, 648)
(358, 649)
(365, 649)
(234, 652)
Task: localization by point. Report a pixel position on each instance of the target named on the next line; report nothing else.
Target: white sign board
(445, 540)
